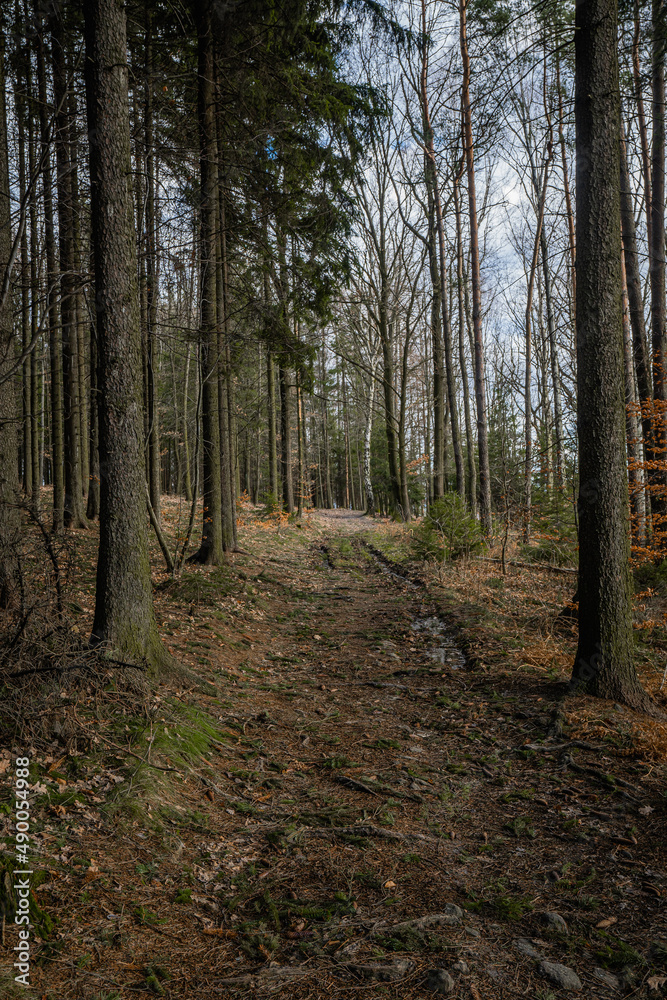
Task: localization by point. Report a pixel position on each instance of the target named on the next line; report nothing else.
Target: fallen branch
(346, 831)
(356, 786)
(608, 781)
(78, 665)
(541, 748)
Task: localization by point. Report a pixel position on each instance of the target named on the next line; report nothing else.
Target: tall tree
(73, 500)
(210, 551)
(604, 660)
(57, 441)
(9, 481)
(657, 267)
(124, 620)
(476, 281)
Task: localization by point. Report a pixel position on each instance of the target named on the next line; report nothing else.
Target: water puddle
(445, 653)
(443, 650)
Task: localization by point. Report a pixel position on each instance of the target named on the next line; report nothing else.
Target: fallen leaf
(645, 811)
(389, 885)
(655, 982)
(608, 922)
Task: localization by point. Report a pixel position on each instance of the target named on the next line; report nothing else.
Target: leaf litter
(353, 810)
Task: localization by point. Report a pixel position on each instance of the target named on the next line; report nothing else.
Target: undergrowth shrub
(555, 544)
(448, 531)
(651, 575)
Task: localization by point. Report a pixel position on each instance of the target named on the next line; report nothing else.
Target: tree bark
(37, 467)
(286, 438)
(153, 417)
(57, 442)
(657, 275)
(368, 430)
(210, 551)
(26, 374)
(566, 187)
(10, 524)
(636, 308)
(641, 119)
(480, 390)
(73, 501)
(439, 281)
(604, 660)
(124, 619)
(632, 429)
(471, 484)
(528, 430)
(228, 503)
(271, 419)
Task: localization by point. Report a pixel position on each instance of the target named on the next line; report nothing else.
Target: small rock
(461, 967)
(561, 975)
(439, 981)
(524, 947)
(493, 973)
(472, 932)
(554, 921)
(606, 978)
(382, 973)
(451, 914)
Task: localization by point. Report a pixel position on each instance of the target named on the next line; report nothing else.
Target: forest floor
(391, 795)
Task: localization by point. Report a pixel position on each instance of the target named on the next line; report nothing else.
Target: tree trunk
(480, 390)
(271, 418)
(124, 619)
(405, 495)
(93, 505)
(10, 524)
(81, 319)
(439, 280)
(300, 431)
(26, 375)
(603, 664)
(431, 182)
(210, 551)
(632, 428)
(636, 309)
(368, 430)
(153, 417)
(286, 438)
(73, 502)
(641, 119)
(328, 501)
(228, 503)
(528, 470)
(227, 419)
(187, 476)
(657, 275)
(57, 443)
(390, 408)
(566, 186)
(35, 408)
(471, 485)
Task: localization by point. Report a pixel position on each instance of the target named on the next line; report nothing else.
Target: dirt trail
(366, 777)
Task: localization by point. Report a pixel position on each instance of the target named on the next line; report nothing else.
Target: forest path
(340, 520)
(364, 778)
